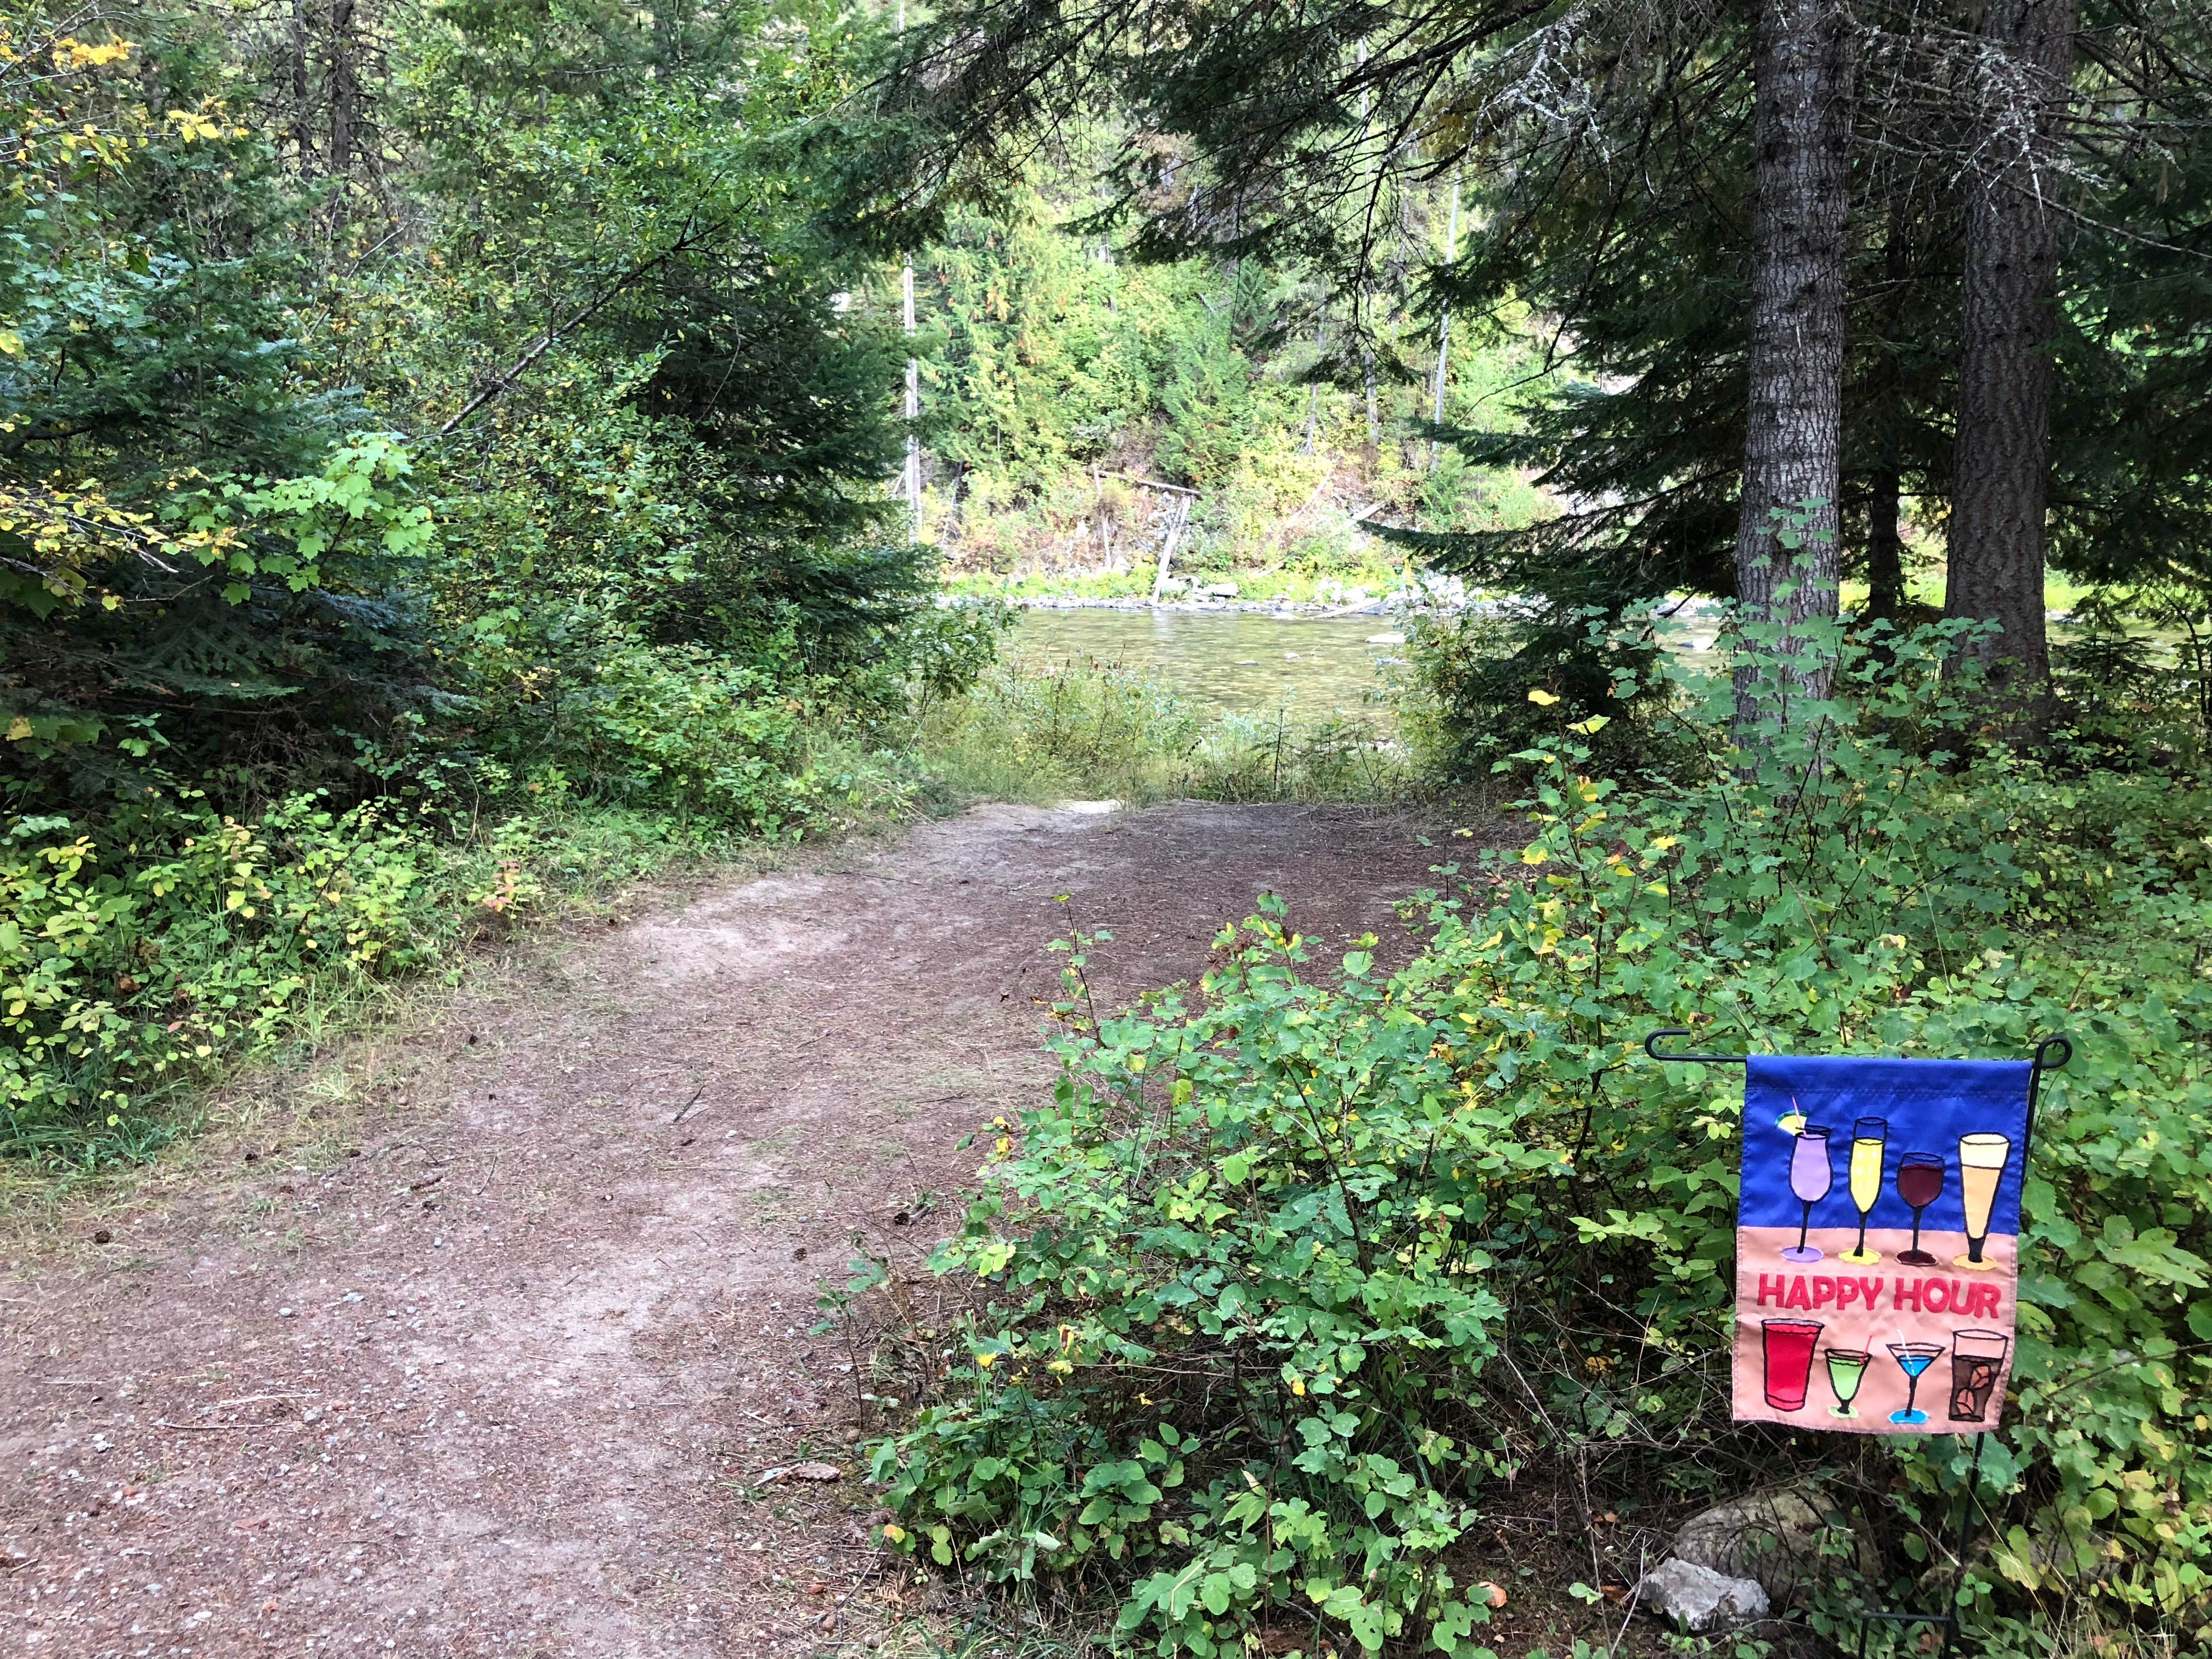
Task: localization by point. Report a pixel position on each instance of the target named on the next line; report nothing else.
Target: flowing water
(1240, 661)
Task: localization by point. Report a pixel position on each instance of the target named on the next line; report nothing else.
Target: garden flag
(1877, 1259)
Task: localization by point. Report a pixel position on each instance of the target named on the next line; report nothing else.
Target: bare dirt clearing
(502, 1372)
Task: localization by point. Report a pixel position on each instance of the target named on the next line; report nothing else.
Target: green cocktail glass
(1846, 1370)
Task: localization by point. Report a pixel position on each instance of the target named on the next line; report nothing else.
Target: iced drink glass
(1978, 1360)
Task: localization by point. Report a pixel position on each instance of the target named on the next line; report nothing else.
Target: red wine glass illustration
(1919, 1183)
(1789, 1356)
(1811, 1175)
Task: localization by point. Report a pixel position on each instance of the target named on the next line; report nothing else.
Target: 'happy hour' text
(1817, 1291)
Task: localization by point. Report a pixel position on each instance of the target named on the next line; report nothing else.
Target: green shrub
(691, 730)
(143, 955)
(1288, 1277)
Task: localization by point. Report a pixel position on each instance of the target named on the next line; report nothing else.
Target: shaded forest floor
(478, 1337)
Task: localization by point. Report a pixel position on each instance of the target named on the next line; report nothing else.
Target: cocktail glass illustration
(1811, 1175)
(1870, 1138)
(1919, 1183)
(1981, 1167)
(1912, 1359)
(1788, 1344)
(1846, 1370)
(1978, 1360)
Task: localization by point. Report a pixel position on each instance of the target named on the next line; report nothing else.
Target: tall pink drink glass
(1788, 1344)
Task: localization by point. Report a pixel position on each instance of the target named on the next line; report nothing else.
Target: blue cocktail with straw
(1912, 1359)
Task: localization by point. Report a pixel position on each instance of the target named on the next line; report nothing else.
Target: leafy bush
(1481, 685)
(1289, 1276)
(143, 955)
(686, 728)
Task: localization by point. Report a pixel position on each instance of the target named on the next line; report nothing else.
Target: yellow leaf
(1541, 698)
(1592, 726)
(1534, 855)
(19, 729)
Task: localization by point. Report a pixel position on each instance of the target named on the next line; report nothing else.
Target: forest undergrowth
(1274, 1309)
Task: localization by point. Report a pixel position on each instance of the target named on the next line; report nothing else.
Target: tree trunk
(1885, 544)
(299, 29)
(344, 88)
(1792, 457)
(2001, 462)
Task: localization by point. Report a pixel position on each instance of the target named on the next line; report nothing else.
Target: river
(1240, 661)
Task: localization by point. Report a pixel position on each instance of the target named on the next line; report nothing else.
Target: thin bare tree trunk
(344, 86)
(299, 30)
(1793, 441)
(1885, 542)
(2001, 462)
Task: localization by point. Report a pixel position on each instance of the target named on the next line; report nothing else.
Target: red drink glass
(1919, 1183)
(1789, 1345)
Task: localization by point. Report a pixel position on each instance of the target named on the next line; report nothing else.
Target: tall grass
(1038, 731)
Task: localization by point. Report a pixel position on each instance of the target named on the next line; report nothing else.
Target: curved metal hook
(2065, 1053)
(1651, 1047)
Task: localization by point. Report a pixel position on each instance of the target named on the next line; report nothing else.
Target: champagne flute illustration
(1846, 1370)
(1870, 1138)
(1788, 1355)
(1981, 1167)
(1919, 1183)
(1912, 1359)
(1811, 1175)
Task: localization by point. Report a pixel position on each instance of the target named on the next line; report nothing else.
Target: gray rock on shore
(1699, 1599)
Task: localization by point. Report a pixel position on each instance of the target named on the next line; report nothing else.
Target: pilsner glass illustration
(1981, 1167)
(1811, 1175)
(1919, 1183)
(1912, 1359)
(1870, 1138)
(1846, 1370)
(1978, 1360)
(1788, 1355)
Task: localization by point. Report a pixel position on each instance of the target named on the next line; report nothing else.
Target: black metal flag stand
(1970, 1506)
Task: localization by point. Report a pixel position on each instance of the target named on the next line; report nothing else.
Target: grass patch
(1086, 728)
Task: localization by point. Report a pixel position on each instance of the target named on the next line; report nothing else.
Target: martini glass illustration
(1912, 1359)
(1846, 1370)
(1981, 1167)
(1919, 1183)
(1811, 1175)
(1789, 1346)
(1870, 1138)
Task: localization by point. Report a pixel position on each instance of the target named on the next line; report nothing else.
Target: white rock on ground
(1699, 1598)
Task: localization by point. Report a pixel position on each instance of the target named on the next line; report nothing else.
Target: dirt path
(500, 1371)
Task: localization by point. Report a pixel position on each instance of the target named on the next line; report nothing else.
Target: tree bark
(2001, 458)
(1793, 442)
(1885, 544)
(344, 88)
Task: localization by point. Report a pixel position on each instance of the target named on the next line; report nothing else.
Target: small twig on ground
(688, 1105)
